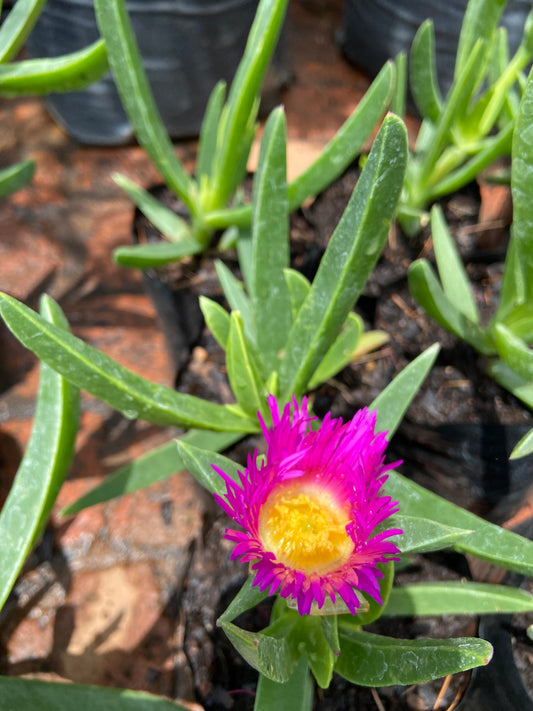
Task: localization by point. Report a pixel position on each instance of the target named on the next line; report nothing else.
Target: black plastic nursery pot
(373, 32)
(186, 45)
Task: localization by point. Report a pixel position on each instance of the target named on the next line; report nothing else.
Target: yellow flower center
(305, 529)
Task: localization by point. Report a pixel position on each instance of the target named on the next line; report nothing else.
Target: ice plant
(311, 507)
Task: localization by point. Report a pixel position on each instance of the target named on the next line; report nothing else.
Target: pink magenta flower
(310, 508)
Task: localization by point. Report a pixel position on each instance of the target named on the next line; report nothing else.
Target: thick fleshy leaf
(373, 660)
(242, 104)
(17, 26)
(69, 72)
(248, 596)
(217, 320)
(43, 468)
(16, 176)
(347, 143)
(427, 291)
(147, 256)
(452, 273)
(200, 463)
(171, 225)
(423, 73)
(487, 541)
(492, 148)
(480, 20)
(340, 353)
(21, 694)
(524, 447)
(127, 392)
(295, 694)
(456, 598)
(207, 142)
(156, 465)
(136, 95)
(520, 322)
(270, 243)
(517, 281)
(238, 299)
(510, 380)
(421, 535)
(271, 656)
(393, 402)
(309, 637)
(244, 370)
(514, 351)
(351, 254)
(454, 107)
(299, 287)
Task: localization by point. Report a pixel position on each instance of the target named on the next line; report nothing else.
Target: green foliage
(468, 129)
(39, 76)
(225, 140)
(15, 177)
(49, 453)
(21, 694)
(448, 297)
(313, 334)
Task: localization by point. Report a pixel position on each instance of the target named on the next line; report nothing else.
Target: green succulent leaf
(299, 287)
(271, 656)
(454, 107)
(137, 99)
(239, 115)
(452, 273)
(511, 381)
(373, 660)
(427, 291)
(43, 76)
(356, 245)
(423, 73)
(487, 541)
(514, 351)
(517, 281)
(347, 143)
(149, 256)
(244, 369)
(17, 26)
(270, 243)
(171, 226)
(492, 148)
(295, 694)
(207, 142)
(340, 353)
(524, 447)
(237, 298)
(480, 20)
(43, 468)
(217, 320)
(200, 463)
(456, 598)
(248, 596)
(422, 535)
(20, 693)
(94, 371)
(16, 177)
(309, 636)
